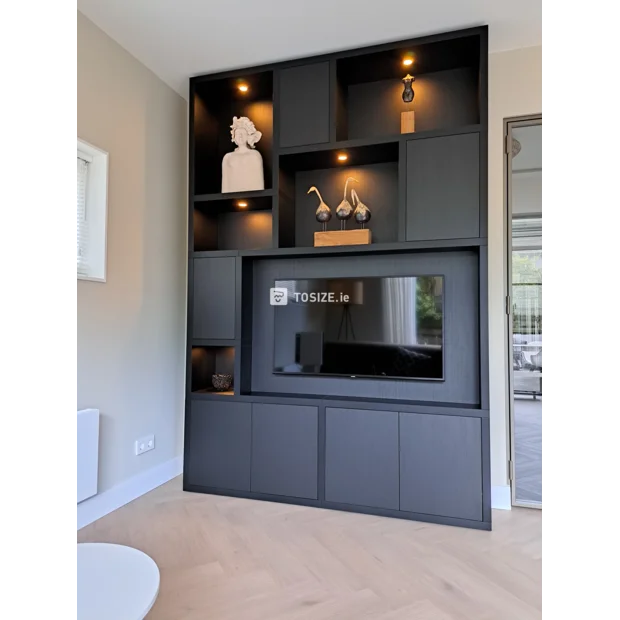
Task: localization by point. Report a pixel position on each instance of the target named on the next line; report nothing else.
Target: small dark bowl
(221, 383)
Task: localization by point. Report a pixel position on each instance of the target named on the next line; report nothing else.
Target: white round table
(114, 582)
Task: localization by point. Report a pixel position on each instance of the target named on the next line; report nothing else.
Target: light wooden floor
(235, 559)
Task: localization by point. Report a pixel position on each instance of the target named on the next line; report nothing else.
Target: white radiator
(87, 453)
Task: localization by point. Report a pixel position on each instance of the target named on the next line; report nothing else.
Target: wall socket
(145, 444)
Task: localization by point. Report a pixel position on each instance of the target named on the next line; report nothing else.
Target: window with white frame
(92, 189)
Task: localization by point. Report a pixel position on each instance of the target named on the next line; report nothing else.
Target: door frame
(510, 124)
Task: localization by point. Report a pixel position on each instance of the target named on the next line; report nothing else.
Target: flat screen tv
(381, 327)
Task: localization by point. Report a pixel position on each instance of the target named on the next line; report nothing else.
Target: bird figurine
(362, 213)
(323, 213)
(344, 210)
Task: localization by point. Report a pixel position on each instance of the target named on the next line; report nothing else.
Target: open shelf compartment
(369, 88)
(374, 167)
(207, 361)
(233, 223)
(215, 102)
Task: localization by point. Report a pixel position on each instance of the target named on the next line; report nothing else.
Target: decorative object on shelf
(221, 382)
(323, 212)
(344, 210)
(407, 119)
(362, 213)
(516, 147)
(242, 170)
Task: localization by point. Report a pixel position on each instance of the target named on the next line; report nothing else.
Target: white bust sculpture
(242, 170)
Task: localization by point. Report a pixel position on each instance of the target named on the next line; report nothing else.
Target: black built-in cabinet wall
(396, 452)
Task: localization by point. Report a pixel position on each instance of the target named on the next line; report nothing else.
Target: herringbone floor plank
(233, 559)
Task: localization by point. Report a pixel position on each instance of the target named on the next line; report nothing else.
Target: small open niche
(376, 170)
(369, 89)
(216, 101)
(207, 361)
(233, 222)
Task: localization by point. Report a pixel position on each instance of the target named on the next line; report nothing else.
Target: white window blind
(82, 225)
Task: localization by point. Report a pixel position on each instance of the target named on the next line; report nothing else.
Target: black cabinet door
(443, 188)
(285, 450)
(304, 105)
(220, 445)
(214, 298)
(361, 457)
(441, 465)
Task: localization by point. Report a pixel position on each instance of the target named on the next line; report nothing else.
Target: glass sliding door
(524, 175)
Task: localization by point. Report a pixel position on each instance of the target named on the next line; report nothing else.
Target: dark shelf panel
(353, 402)
(343, 145)
(404, 246)
(401, 246)
(439, 133)
(202, 342)
(213, 392)
(213, 253)
(265, 193)
(358, 152)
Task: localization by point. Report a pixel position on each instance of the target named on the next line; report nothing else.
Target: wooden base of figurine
(407, 122)
(358, 236)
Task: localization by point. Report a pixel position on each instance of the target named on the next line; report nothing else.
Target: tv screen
(382, 327)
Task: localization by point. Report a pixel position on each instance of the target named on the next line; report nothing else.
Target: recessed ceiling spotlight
(408, 62)
(342, 157)
(242, 204)
(244, 88)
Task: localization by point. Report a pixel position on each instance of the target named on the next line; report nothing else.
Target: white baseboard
(501, 498)
(106, 502)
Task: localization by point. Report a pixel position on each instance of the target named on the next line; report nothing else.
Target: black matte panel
(214, 298)
(220, 440)
(285, 450)
(361, 457)
(443, 188)
(441, 465)
(304, 105)
(245, 231)
(461, 327)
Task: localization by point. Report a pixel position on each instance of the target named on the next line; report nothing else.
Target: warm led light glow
(342, 157)
(243, 88)
(408, 62)
(242, 204)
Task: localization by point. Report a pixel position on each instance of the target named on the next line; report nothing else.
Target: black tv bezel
(378, 377)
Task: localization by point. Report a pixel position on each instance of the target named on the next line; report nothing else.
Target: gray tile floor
(528, 448)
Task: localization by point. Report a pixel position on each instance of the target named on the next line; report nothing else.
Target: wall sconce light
(342, 157)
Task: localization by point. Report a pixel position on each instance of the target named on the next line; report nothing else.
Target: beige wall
(131, 329)
(515, 89)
